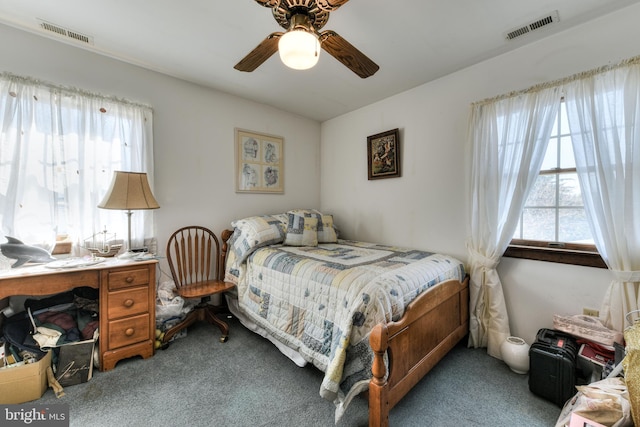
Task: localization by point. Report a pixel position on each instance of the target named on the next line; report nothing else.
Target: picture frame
(259, 162)
(383, 155)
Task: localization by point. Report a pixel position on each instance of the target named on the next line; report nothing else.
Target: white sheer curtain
(604, 118)
(509, 137)
(59, 148)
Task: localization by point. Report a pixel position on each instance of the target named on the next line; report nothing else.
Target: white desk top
(71, 264)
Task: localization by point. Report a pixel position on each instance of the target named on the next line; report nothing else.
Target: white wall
(428, 207)
(193, 133)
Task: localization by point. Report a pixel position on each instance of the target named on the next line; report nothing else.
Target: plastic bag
(169, 304)
(605, 402)
(168, 309)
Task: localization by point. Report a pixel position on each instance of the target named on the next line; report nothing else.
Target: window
(59, 148)
(553, 224)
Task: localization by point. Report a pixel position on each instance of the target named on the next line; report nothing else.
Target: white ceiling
(413, 41)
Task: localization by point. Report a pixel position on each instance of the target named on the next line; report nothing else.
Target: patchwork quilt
(323, 301)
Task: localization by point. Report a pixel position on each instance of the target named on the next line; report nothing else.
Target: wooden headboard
(225, 235)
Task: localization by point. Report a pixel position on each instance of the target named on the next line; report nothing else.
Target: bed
(374, 318)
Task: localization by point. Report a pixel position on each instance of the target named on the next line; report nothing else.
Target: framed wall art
(259, 162)
(383, 155)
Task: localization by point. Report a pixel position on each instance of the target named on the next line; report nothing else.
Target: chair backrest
(193, 254)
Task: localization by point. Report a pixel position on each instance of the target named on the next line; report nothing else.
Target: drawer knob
(129, 332)
(129, 279)
(128, 303)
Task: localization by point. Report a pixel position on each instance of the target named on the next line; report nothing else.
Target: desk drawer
(128, 302)
(120, 279)
(130, 330)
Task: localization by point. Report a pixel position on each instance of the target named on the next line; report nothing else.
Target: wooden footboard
(431, 326)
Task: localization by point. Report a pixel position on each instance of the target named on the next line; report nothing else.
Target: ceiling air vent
(65, 32)
(543, 22)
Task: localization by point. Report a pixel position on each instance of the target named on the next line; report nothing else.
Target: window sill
(563, 256)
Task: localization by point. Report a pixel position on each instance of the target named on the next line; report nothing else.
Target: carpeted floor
(198, 381)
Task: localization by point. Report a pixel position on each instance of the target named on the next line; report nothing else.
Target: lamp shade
(129, 191)
(299, 49)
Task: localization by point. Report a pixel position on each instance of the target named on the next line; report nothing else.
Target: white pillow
(255, 232)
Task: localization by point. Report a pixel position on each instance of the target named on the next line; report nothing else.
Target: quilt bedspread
(323, 301)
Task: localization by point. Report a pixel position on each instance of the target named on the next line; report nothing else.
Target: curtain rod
(581, 75)
(69, 90)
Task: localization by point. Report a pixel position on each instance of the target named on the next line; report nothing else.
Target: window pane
(554, 210)
(518, 233)
(573, 227)
(570, 194)
(551, 156)
(554, 129)
(543, 192)
(539, 224)
(567, 159)
(564, 122)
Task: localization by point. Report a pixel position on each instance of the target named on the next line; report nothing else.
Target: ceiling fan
(301, 18)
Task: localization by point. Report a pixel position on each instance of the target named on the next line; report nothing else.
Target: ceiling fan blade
(268, 3)
(328, 5)
(346, 53)
(261, 53)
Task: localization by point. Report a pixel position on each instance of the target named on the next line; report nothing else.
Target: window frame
(564, 253)
(551, 251)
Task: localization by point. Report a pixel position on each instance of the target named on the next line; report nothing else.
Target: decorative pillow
(283, 218)
(326, 230)
(254, 232)
(302, 231)
(305, 212)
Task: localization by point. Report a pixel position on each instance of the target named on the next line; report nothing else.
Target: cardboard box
(19, 384)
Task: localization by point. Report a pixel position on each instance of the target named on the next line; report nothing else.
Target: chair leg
(185, 323)
(215, 320)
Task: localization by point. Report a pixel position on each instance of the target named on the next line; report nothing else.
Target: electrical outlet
(590, 312)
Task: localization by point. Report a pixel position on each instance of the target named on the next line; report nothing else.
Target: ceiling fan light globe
(299, 49)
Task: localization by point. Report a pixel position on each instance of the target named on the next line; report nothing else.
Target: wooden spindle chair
(194, 257)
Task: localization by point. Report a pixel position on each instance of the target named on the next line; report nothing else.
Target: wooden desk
(127, 301)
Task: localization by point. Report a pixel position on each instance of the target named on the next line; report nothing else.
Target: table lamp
(129, 191)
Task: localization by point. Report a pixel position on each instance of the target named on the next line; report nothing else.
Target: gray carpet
(198, 381)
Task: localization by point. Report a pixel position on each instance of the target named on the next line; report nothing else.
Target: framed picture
(259, 162)
(383, 155)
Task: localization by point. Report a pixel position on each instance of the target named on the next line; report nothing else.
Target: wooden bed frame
(431, 326)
